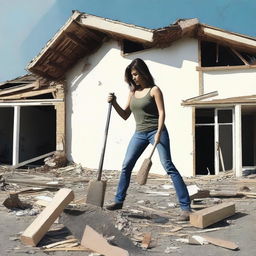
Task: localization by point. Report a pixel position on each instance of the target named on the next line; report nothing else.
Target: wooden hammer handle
(153, 150)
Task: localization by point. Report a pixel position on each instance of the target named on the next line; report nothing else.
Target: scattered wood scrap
(195, 192)
(97, 243)
(34, 233)
(146, 240)
(66, 249)
(48, 184)
(206, 217)
(58, 160)
(68, 241)
(13, 201)
(220, 242)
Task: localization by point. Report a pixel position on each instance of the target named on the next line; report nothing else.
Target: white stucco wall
(90, 81)
(230, 83)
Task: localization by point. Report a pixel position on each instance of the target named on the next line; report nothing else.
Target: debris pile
(62, 221)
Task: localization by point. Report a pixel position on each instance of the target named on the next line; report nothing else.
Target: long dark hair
(141, 67)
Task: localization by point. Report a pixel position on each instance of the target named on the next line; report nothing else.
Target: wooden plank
(33, 160)
(72, 240)
(30, 94)
(37, 229)
(67, 249)
(240, 56)
(19, 88)
(206, 217)
(220, 242)
(195, 192)
(34, 183)
(217, 68)
(97, 243)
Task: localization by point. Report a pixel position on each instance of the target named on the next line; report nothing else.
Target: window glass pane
(225, 116)
(204, 116)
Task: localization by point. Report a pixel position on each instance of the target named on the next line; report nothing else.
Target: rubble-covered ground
(150, 210)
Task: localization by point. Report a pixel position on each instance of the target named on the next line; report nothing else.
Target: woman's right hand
(111, 97)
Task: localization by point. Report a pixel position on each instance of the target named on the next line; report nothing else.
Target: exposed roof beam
(29, 94)
(53, 40)
(91, 33)
(239, 56)
(29, 102)
(117, 27)
(66, 57)
(19, 88)
(76, 40)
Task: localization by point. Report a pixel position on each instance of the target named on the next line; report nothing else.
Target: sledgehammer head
(142, 174)
(96, 192)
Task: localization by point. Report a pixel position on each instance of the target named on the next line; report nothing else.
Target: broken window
(213, 54)
(130, 46)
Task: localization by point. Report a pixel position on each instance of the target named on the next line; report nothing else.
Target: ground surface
(151, 208)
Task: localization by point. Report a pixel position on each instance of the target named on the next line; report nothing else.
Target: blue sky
(27, 25)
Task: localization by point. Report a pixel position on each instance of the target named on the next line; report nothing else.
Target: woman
(146, 102)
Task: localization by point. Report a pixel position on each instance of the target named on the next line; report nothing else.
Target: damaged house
(207, 76)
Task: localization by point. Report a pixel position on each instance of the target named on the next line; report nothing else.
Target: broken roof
(83, 34)
(209, 99)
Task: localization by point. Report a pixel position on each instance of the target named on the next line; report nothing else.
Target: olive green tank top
(145, 112)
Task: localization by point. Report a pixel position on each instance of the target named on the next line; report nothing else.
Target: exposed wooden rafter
(29, 94)
(76, 40)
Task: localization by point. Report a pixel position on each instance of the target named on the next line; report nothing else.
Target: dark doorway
(37, 131)
(204, 150)
(6, 135)
(204, 141)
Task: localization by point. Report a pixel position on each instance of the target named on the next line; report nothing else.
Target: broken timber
(220, 242)
(32, 160)
(97, 243)
(34, 233)
(211, 215)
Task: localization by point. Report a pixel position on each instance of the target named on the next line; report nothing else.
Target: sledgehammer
(142, 174)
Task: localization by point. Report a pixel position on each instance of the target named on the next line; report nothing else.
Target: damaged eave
(72, 42)
(235, 40)
(249, 99)
(19, 89)
(83, 34)
(116, 27)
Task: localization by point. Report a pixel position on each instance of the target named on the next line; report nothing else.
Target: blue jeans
(138, 143)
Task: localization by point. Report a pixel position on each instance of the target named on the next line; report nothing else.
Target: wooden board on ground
(220, 242)
(206, 217)
(34, 233)
(97, 243)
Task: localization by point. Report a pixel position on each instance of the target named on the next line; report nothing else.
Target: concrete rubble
(146, 225)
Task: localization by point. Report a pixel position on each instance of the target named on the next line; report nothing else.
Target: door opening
(214, 140)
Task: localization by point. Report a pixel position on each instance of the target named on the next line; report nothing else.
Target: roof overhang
(209, 100)
(121, 29)
(83, 34)
(237, 41)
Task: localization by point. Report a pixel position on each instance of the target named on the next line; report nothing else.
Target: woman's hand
(111, 98)
(157, 138)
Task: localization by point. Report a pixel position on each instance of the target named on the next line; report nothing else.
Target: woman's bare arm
(123, 112)
(157, 94)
